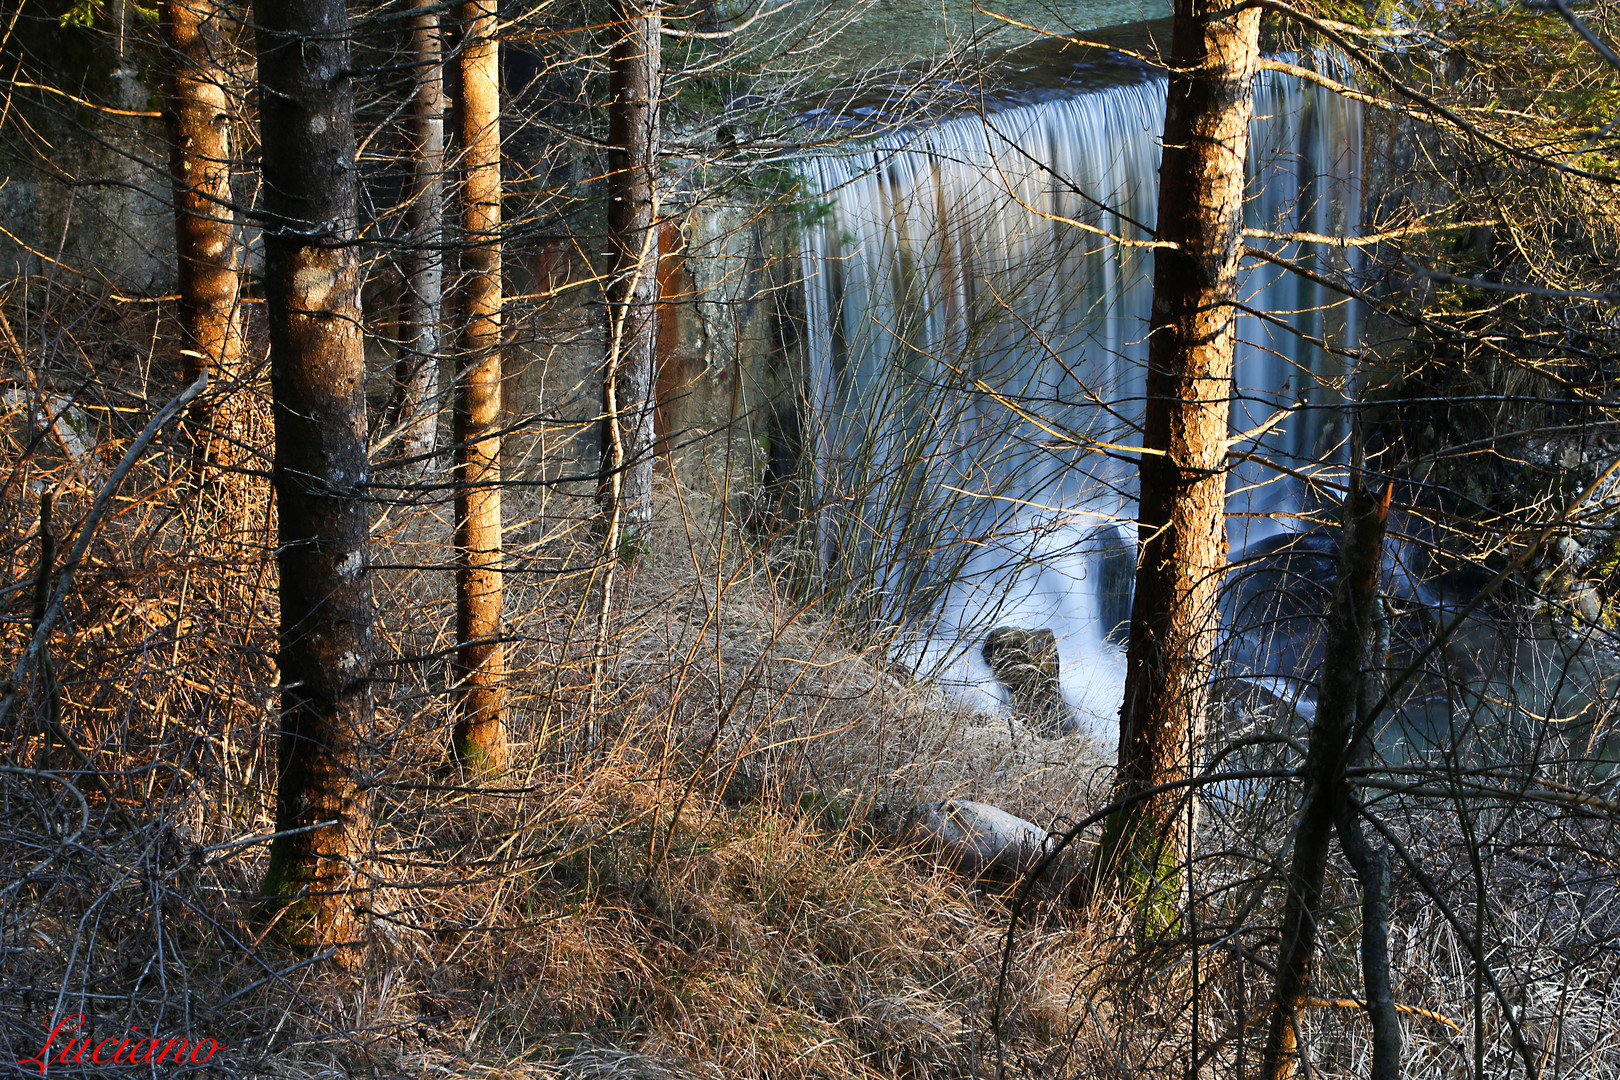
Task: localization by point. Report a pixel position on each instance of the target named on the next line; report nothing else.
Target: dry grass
(714, 889)
(718, 882)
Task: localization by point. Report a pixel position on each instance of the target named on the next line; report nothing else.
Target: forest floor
(696, 867)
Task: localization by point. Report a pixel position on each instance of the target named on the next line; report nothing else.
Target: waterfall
(977, 300)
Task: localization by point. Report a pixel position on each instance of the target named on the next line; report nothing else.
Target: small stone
(978, 839)
(1587, 602)
(1026, 662)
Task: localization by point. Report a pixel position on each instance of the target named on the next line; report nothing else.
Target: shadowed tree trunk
(1344, 659)
(1182, 545)
(629, 378)
(416, 392)
(474, 76)
(1371, 864)
(317, 378)
(206, 239)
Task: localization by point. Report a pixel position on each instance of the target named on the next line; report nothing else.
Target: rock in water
(1586, 600)
(1026, 662)
(977, 838)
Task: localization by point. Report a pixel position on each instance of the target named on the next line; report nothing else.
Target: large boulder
(1026, 663)
(978, 839)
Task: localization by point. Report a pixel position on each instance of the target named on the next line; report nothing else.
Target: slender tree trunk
(629, 379)
(416, 392)
(1371, 864)
(1182, 524)
(207, 242)
(1344, 660)
(474, 74)
(317, 377)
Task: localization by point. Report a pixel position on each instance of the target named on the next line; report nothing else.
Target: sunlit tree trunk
(416, 391)
(474, 77)
(629, 378)
(207, 241)
(317, 377)
(1182, 546)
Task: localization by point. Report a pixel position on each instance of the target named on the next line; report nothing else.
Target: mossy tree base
(481, 749)
(1136, 865)
(314, 900)
(285, 906)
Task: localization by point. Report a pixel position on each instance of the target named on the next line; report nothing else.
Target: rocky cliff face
(85, 187)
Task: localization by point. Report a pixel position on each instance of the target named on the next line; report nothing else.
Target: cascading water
(977, 298)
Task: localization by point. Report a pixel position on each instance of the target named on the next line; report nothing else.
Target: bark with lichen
(316, 885)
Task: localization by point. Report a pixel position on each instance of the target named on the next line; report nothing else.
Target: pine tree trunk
(1182, 524)
(206, 239)
(317, 376)
(629, 378)
(416, 392)
(474, 74)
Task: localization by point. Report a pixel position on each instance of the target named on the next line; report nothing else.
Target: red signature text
(128, 1050)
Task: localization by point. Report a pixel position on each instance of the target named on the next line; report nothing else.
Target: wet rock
(1276, 696)
(1559, 558)
(66, 423)
(1026, 662)
(977, 838)
(1116, 563)
(1275, 605)
(1586, 601)
(1555, 578)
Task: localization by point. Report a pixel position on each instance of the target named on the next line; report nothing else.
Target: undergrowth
(696, 868)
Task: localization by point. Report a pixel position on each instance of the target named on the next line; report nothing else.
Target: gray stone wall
(83, 168)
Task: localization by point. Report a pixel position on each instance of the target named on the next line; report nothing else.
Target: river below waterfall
(977, 298)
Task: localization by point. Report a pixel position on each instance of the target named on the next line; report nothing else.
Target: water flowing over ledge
(977, 297)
